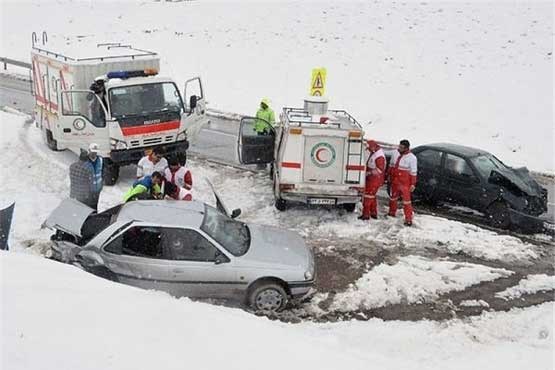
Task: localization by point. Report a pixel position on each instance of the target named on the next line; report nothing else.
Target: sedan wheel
(498, 214)
(268, 298)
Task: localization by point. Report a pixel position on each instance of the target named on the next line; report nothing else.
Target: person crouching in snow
(178, 175)
(402, 177)
(375, 175)
(172, 191)
(148, 187)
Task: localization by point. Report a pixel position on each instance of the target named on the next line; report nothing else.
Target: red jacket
(403, 169)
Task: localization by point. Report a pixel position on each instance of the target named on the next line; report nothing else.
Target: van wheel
(50, 141)
(498, 215)
(110, 173)
(280, 204)
(349, 207)
(267, 297)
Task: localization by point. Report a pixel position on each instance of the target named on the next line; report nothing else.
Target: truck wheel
(498, 215)
(280, 204)
(267, 297)
(50, 141)
(349, 207)
(110, 173)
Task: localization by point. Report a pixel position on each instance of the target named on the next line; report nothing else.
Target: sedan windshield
(140, 100)
(486, 163)
(232, 235)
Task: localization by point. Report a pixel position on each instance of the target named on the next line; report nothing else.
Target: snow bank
(430, 232)
(412, 279)
(476, 73)
(530, 285)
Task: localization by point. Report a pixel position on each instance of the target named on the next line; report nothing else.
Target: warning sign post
(318, 82)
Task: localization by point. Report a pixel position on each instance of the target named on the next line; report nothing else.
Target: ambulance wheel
(280, 204)
(349, 207)
(110, 173)
(50, 141)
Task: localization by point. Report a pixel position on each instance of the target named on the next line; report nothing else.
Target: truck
(131, 110)
(316, 155)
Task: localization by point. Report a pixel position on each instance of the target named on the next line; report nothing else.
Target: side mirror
(192, 102)
(235, 213)
(220, 258)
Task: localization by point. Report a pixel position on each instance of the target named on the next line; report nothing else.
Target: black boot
(408, 223)
(364, 218)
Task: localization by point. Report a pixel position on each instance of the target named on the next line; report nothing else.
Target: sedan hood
(273, 245)
(68, 217)
(521, 179)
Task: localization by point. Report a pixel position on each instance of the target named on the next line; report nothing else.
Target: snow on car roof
(164, 212)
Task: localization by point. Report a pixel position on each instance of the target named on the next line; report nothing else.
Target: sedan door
(429, 174)
(198, 268)
(463, 185)
(136, 257)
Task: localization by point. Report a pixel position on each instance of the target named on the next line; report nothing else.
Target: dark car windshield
(232, 235)
(137, 100)
(486, 163)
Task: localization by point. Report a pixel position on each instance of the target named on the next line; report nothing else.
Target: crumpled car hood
(520, 178)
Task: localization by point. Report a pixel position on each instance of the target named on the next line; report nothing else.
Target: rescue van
(316, 155)
(131, 109)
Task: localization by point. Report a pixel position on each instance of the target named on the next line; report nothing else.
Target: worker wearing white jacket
(178, 175)
(154, 162)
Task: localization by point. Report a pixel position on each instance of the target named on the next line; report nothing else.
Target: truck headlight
(118, 144)
(308, 275)
(181, 136)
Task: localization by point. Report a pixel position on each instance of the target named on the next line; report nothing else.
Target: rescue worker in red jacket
(172, 191)
(375, 176)
(178, 175)
(402, 177)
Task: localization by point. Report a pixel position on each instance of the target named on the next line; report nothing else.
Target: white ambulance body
(317, 155)
(140, 109)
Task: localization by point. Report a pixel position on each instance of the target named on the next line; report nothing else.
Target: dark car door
(429, 174)
(463, 185)
(254, 147)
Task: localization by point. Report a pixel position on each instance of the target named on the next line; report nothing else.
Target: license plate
(322, 201)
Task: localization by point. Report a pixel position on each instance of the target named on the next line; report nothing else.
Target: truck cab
(317, 155)
(134, 110)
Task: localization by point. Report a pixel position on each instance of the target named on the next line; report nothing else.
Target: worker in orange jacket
(402, 177)
(375, 175)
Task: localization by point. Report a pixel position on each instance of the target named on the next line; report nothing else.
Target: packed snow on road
(442, 294)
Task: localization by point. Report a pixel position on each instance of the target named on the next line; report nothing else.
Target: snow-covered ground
(413, 280)
(530, 285)
(56, 316)
(475, 73)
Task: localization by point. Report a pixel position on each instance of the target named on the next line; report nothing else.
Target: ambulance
(316, 155)
(136, 109)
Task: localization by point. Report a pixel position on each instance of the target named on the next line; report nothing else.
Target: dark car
(476, 179)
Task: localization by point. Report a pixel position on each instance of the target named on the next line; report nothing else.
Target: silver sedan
(186, 249)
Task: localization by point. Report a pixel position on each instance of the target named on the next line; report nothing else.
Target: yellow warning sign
(318, 82)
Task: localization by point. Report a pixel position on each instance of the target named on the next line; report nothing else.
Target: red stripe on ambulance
(148, 129)
(290, 165)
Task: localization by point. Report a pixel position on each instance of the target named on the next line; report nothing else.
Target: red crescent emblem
(318, 154)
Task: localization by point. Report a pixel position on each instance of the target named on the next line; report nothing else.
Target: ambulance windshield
(145, 100)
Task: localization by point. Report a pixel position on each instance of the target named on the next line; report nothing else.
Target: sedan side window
(429, 158)
(189, 245)
(142, 241)
(458, 166)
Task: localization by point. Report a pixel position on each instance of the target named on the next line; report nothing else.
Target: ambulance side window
(84, 104)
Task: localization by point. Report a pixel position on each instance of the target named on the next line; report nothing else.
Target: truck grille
(152, 141)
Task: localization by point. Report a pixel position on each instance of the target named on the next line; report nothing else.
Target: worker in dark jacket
(85, 177)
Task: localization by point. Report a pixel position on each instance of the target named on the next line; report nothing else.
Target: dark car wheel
(268, 297)
(498, 215)
(110, 173)
(50, 141)
(280, 204)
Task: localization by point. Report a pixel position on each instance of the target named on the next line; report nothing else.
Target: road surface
(217, 141)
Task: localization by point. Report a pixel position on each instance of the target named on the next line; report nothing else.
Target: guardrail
(14, 62)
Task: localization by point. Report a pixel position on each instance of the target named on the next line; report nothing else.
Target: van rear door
(252, 147)
(324, 159)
